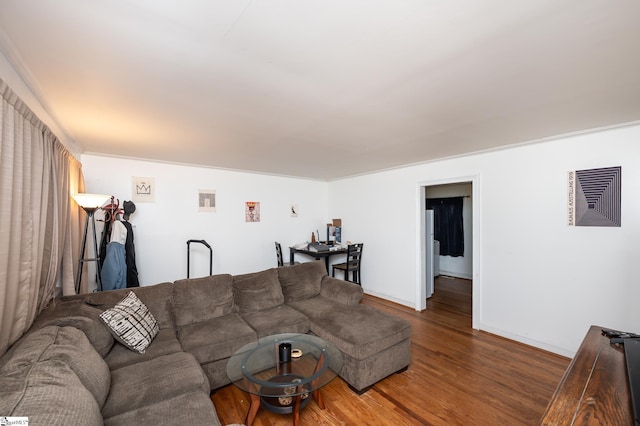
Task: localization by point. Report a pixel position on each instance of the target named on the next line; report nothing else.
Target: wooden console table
(594, 390)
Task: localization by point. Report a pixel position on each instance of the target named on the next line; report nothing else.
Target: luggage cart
(203, 242)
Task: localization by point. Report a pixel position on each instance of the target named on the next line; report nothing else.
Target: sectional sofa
(69, 369)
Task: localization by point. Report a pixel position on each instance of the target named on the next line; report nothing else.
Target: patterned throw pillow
(131, 323)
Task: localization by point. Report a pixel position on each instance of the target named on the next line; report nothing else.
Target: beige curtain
(73, 235)
(36, 219)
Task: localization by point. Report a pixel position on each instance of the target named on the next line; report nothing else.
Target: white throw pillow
(131, 323)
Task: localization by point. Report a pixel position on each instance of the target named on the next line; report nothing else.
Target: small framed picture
(252, 211)
(143, 189)
(206, 200)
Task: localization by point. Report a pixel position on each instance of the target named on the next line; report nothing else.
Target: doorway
(460, 268)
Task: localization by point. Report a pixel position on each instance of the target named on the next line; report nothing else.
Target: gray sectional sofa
(68, 369)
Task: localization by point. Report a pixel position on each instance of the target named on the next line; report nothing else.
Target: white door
(429, 251)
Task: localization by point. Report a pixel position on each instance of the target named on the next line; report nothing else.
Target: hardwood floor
(457, 376)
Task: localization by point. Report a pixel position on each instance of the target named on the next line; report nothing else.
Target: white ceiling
(323, 89)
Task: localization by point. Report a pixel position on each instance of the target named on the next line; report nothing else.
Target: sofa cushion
(153, 381)
(216, 338)
(277, 320)
(72, 348)
(201, 299)
(216, 372)
(359, 331)
(193, 408)
(341, 291)
(49, 393)
(301, 281)
(66, 346)
(89, 323)
(260, 291)
(131, 323)
(61, 307)
(27, 350)
(54, 376)
(165, 343)
(156, 297)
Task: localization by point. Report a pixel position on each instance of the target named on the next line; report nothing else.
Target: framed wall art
(207, 201)
(143, 189)
(595, 197)
(252, 211)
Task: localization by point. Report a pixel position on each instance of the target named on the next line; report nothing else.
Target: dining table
(317, 254)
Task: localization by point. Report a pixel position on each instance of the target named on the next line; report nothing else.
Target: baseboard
(527, 341)
(456, 274)
(390, 298)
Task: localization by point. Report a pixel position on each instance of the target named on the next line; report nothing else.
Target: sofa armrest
(341, 291)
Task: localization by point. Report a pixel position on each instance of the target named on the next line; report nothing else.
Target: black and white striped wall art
(595, 197)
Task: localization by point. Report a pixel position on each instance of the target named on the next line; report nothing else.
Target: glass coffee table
(281, 383)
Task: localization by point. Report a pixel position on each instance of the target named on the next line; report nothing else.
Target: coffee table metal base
(297, 402)
(283, 383)
(274, 401)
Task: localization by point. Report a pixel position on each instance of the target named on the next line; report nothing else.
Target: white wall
(163, 228)
(537, 280)
(459, 266)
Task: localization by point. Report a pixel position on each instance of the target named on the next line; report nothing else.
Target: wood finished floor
(457, 376)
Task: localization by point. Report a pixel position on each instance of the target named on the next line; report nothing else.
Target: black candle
(285, 352)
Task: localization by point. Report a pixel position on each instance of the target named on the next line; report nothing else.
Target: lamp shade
(91, 201)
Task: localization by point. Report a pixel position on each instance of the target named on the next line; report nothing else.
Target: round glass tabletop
(256, 367)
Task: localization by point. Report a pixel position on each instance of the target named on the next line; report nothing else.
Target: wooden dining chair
(354, 256)
(279, 257)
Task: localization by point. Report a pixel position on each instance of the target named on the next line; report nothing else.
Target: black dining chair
(279, 256)
(354, 257)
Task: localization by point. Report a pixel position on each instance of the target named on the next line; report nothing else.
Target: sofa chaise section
(374, 344)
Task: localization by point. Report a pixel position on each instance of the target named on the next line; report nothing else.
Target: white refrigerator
(429, 244)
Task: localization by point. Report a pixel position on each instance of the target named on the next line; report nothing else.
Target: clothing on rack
(129, 208)
(130, 257)
(114, 268)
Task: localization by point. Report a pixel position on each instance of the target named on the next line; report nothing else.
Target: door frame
(421, 249)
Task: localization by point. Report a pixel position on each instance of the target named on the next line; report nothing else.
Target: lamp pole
(89, 203)
(90, 211)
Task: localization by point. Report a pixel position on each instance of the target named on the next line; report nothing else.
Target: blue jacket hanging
(114, 268)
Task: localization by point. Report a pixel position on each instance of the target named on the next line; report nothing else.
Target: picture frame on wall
(207, 201)
(595, 197)
(252, 211)
(143, 189)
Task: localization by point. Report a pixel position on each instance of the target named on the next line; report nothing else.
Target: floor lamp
(89, 203)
